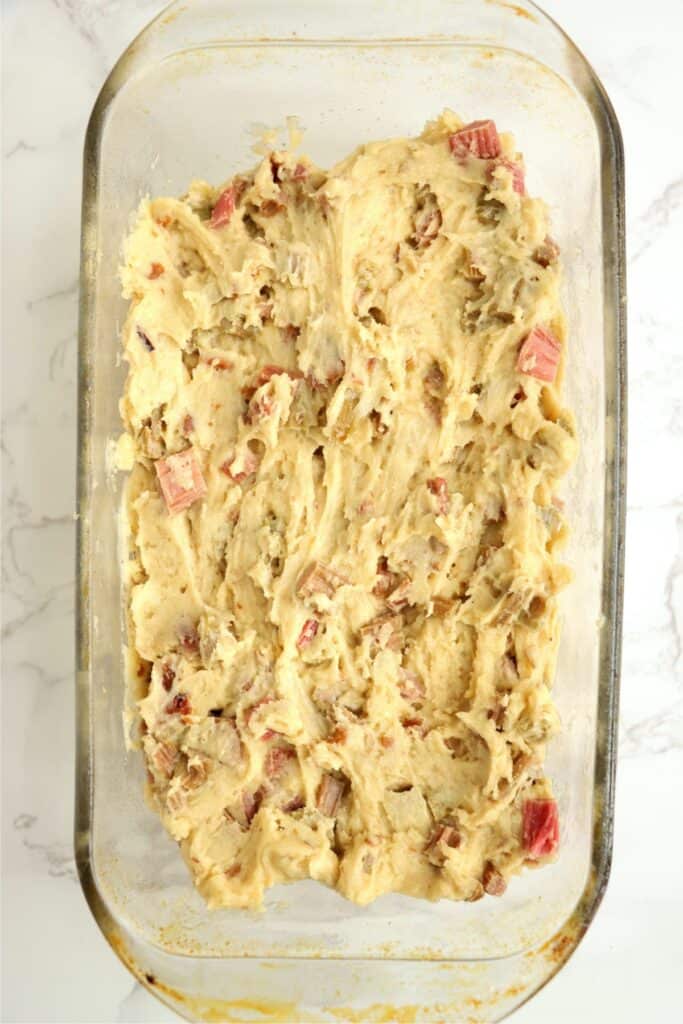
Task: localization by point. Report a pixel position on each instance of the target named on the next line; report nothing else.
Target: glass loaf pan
(185, 101)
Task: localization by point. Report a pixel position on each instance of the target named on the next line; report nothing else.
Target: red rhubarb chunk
(439, 488)
(181, 480)
(224, 208)
(308, 633)
(179, 705)
(241, 470)
(480, 139)
(540, 354)
(517, 172)
(277, 759)
(540, 828)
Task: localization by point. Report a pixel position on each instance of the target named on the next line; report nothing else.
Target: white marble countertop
(56, 964)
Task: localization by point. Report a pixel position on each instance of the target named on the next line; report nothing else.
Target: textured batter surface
(342, 606)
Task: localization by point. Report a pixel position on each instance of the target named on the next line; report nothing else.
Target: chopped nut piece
(400, 597)
(353, 374)
(517, 172)
(443, 838)
(546, 254)
(319, 579)
(167, 676)
(164, 759)
(435, 380)
(251, 803)
(179, 705)
(386, 581)
(411, 686)
(270, 207)
(338, 735)
(385, 630)
(441, 606)
(266, 374)
(295, 804)
(188, 635)
(329, 795)
(492, 880)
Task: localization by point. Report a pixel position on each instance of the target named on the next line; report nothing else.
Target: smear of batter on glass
(346, 431)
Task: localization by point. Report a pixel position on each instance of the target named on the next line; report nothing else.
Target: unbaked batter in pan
(346, 436)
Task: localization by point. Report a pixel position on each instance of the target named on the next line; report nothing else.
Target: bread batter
(346, 435)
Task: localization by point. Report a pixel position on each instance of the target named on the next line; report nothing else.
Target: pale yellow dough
(396, 288)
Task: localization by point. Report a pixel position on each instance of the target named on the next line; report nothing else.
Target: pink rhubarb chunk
(224, 208)
(181, 480)
(439, 488)
(249, 463)
(517, 172)
(480, 139)
(308, 633)
(277, 759)
(540, 354)
(540, 828)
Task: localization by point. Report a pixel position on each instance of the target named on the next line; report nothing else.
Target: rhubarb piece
(446, 834)
(444, 837)
(540, 828)
(277, 759)
(479, 138)
(295, 804)
(400, 597)
(179, 705)
(266, 374)
(308, 633)
(224, 208)
(517, 172)
(240, 468)
(385, 630)
(439, 488)
(539, 355)
(181, 480)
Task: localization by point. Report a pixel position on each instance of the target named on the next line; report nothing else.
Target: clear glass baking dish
(185, 100)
